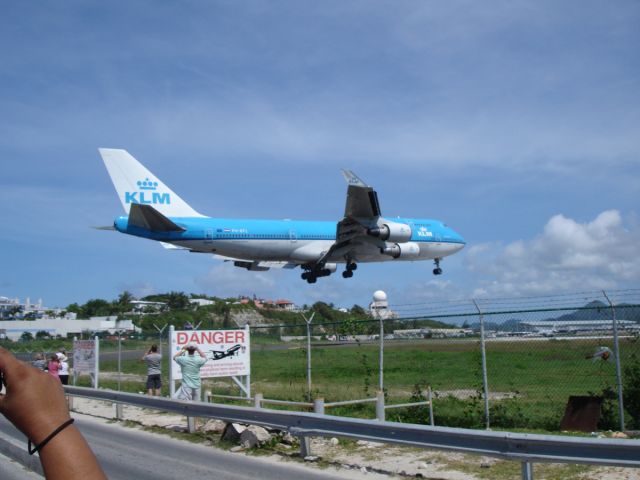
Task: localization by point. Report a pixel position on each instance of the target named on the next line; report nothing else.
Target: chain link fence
(538, 352)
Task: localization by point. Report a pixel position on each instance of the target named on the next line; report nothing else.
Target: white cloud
(566, 256)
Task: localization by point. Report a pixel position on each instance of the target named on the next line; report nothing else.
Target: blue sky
(514, 122)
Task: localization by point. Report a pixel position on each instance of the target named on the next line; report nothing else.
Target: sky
(515, 122)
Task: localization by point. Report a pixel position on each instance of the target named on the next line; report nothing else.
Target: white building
(379, 307)
(63, 327)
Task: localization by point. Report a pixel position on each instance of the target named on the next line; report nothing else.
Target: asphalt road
(10, 470)
(127, 453)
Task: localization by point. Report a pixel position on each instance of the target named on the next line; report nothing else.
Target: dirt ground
(378, 458)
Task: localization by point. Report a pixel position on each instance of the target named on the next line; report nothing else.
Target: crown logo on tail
(147, 184)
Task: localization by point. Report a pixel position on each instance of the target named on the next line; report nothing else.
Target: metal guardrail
(526, 448)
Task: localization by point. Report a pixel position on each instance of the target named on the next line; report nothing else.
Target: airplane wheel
(437, 271)
(311, 279)
(352, 266)
(305, 276)
(347, 274)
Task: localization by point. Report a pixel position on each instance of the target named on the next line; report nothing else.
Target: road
(127, 453)
(10, 470)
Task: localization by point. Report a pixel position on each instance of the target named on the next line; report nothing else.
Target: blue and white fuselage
(363, 235)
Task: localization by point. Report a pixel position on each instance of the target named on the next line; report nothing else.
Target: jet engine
(406, 250)
(391, 231)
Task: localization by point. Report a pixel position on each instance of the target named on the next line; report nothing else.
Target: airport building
(552, 327)
(13, 329)
(12, 308)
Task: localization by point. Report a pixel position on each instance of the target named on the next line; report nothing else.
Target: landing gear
(311, 276)
(351, 267)
(437, 270)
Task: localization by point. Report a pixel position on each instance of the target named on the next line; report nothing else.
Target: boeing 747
(155, 212)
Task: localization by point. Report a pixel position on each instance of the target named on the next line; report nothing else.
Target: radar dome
(379, 296)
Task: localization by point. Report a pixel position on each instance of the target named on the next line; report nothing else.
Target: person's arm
(145, 355)
(201, 353)
(181, 352)
(34, 402)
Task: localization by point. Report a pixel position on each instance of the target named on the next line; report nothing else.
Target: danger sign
(227, 351)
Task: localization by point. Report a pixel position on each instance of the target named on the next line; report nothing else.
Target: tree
(123, 304)
(42, 334)
(358, 311)
(96, 307)
(177, 301)
(26, 337)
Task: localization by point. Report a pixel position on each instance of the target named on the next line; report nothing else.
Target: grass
(538, 375)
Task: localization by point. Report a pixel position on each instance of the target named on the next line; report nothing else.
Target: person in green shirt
(191, 387)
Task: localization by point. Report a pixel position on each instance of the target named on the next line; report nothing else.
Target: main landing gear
(437, 270)
(311, 276)
(351, 267)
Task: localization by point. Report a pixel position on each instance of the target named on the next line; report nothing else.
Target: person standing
(40, 363)
(154, 371)
(54, 366)
(63, 372)
(191, 387)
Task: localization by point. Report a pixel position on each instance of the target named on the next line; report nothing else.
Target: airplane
(155, 212)
(219, 354)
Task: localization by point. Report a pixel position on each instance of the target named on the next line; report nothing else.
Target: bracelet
(48, 439)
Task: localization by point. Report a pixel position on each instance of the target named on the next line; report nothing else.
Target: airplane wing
(361, 212)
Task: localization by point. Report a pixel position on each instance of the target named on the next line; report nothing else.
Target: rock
(254, 436)
(485, 465)
(619, 435)
(334, 441)
(363, 469)
(311, 458)
(422, 465)
(232, 432)
(236, 449)
(289, 439)
(215, 426)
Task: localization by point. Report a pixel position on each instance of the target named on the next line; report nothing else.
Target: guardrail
(318, 405)
(526, 448)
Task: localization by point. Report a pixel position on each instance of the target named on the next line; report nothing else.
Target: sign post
(86, 358)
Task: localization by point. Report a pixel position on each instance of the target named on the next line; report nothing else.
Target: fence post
(616, 355)
(318, 406)
(305, 447)
(485, 381)
(430, 398)
(381, 355)
(308, 321)
(380, 405)
(257, 400)
(527, 471)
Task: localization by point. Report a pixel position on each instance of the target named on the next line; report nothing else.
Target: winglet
(352, 179)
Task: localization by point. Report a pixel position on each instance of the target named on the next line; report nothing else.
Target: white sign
(227, 351)
(84, 356)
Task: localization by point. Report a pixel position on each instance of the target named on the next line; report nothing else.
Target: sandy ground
(377, 458)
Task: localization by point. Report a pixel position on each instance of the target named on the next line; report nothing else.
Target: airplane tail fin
(137, 185)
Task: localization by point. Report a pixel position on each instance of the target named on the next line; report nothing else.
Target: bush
(631, 390)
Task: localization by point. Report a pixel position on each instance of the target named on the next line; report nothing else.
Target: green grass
(538, 375)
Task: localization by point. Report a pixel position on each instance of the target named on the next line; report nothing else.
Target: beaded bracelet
(48, 439)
